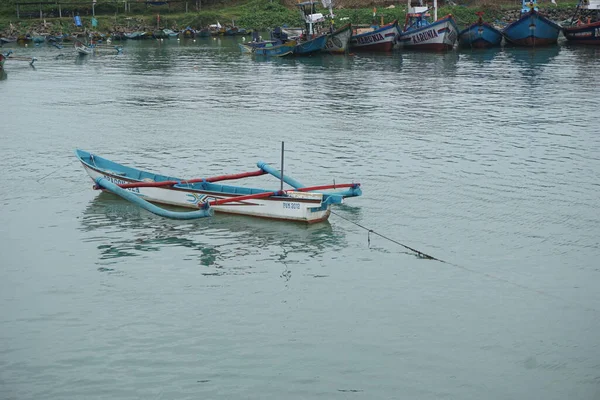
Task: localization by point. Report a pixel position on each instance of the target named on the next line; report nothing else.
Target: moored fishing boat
(532, 29)
(304, 204)
(585, 24)
(421, 34)
(379, 38)
(339, 40)
(480, 35)
(83, 49)
(269, 48)
(313, 38)
(189, 33)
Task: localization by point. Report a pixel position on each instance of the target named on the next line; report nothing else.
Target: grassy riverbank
(252, 14)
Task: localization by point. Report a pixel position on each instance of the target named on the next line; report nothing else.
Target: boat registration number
(291, 206)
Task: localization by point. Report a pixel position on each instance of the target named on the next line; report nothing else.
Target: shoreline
(109, 25)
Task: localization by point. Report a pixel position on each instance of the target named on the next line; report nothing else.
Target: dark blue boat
(532, 29)
(480, 35)
(306, 47)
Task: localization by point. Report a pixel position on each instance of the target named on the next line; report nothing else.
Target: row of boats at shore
(420, 32)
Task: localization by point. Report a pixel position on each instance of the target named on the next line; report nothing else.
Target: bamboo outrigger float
(301, 203)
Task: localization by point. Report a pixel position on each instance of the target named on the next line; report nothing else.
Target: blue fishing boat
(480, 35)
(302, 203)
(585, 24)
(532, 29)
(269, 48)
(314, 35)
(308, 45)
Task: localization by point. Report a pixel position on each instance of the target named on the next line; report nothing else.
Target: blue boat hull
(310, 46)
(268, 48)
(532, 29)
(480, 36)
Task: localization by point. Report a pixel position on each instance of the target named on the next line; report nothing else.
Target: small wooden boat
(480, 35)
(83, 49)
(420, 33)
(170, 33)
(586, 28)
(532, 29)
(189, 33)
(303, 204)
(269, 48)
(339, 40)
(382, 38)
(9, 56)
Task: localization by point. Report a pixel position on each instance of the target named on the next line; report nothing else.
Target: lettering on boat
(378, 37)
(117, 181)
(424, 36)
(291, 206)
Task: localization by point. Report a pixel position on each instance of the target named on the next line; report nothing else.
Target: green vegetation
(253, 14)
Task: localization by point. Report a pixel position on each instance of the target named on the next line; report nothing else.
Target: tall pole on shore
(435, 10)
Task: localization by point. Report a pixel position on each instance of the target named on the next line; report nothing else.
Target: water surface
(488, 160)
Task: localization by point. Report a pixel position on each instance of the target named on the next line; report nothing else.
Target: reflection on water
(122, 229)
(531, 62)
(478, 56)
(3, 75)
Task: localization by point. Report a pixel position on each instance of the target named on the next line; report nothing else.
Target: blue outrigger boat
(301, 203)
(480, 35)
(532, 29)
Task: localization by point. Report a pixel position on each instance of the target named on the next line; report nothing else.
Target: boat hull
(382, 39)
(310, 46)
(263, 49)
(438, 36)
(583, 34)
(297, 206)
(338, 41)
(480, 36)
(532, 29)
(82, 49)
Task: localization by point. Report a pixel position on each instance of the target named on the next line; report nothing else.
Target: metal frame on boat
(303, 204)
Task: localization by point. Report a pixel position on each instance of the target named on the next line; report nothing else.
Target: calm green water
(488, 160)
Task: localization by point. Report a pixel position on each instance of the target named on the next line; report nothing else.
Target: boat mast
(435, 10)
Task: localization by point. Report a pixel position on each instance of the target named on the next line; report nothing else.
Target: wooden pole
(186, 7)
(41, 11)
(59, 11)
(18, 11)
(282, 150)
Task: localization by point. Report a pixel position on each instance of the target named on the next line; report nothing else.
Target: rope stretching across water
(419, 253)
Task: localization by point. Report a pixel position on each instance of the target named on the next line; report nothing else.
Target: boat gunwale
(207, 192)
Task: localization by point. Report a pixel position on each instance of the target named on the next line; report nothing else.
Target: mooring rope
(418, 253)
(474, 271)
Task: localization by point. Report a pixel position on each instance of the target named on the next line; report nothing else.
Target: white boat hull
(339, 41)
(440, 35)
(297, 206)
